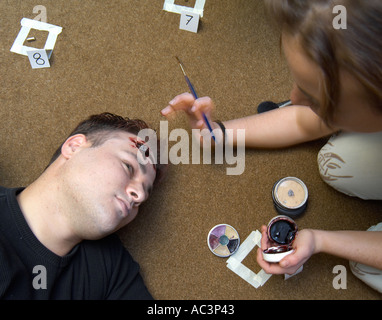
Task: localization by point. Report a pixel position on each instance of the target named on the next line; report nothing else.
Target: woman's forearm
(278, 128)
(360, 246)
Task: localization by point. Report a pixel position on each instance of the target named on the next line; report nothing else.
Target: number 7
(188, 21)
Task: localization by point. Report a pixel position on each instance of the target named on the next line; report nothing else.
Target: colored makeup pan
(223, 240)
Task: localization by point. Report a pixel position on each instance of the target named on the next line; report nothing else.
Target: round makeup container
(276, 254)
(290, 196)
(223, 240)
(281, 231)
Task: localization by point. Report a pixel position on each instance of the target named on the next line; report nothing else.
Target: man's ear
(72, 144)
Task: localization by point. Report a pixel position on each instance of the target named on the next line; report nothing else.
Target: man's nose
(136, 192)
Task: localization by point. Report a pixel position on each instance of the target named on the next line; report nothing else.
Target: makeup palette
(223, 240)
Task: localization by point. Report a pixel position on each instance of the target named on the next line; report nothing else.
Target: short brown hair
(357, 49)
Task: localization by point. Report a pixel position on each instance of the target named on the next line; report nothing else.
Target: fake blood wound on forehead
(138, 144)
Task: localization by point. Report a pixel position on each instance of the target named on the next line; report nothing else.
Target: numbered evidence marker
(189, 21)
(39, 58)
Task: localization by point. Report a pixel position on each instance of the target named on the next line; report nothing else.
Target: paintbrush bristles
(181, 66)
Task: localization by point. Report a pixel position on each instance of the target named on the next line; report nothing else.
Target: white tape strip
(170, 6)
(262, 277)
(26, 26)
(234, 262)
(246, 274)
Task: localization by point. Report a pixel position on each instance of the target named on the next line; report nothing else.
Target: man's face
(107, 184)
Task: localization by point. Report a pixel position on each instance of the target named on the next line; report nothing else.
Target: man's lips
(125, 206)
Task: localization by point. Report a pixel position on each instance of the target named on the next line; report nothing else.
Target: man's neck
(46, 216)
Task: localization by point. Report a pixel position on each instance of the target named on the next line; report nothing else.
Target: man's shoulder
(7, 192)
(3, 191)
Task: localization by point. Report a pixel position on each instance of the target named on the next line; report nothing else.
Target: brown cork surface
(118, 56)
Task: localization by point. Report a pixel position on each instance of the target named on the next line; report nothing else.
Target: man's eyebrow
(314, 100)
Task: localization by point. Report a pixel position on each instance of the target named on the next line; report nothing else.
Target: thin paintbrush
(195, 96)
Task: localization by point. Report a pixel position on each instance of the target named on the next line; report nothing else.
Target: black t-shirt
(99, 269)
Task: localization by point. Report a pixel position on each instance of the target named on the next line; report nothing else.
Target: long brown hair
(356, 49)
